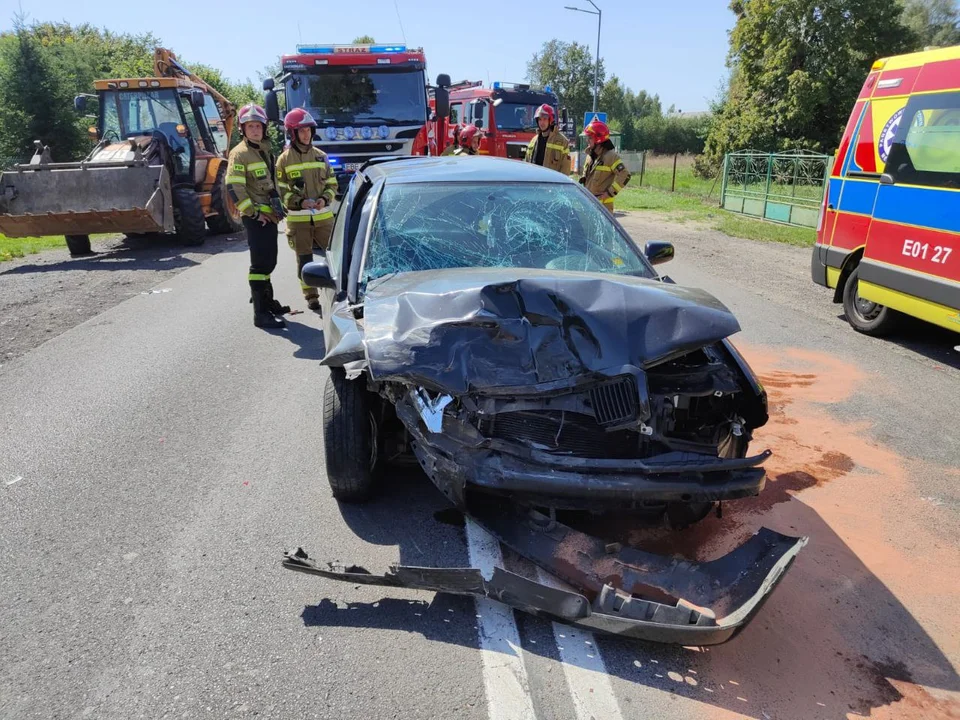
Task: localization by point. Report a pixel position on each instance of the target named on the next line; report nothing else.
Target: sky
(676, 50)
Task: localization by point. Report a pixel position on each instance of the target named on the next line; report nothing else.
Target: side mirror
(478, 123)
(477, 111)
(443, 80)
(268, 84)
(441, 99)
(197, 98)
(80, 104)
(272, 105)
(658, 252)
(316, 274)
(887, 179)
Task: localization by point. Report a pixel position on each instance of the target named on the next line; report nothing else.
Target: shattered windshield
(425, 226)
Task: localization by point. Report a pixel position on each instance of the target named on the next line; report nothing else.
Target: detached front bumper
(573, 482)
(625, 592)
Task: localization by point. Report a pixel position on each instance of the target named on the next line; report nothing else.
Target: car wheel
(866, 316)
(682, 515)
(349, 437)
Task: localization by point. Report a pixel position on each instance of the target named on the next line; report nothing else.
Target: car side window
(926, 149)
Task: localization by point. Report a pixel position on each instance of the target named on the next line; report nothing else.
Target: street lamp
(596, 70)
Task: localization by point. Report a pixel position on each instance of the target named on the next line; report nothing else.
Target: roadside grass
(681, 208)
(11, 248)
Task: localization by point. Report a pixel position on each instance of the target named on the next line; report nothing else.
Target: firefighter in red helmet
(251, 186)
(604, 173)
(309, 188)
(469, 141)
(549, 147)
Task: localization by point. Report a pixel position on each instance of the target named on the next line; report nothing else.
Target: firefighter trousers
(262, 240)
(305, 237)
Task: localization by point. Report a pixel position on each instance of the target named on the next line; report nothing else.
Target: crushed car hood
(467, 330)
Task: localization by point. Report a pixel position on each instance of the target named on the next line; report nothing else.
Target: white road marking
(504, 673)
(583, 668)
(17, 479)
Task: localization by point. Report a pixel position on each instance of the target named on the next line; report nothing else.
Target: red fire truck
(504, 111)
(368, 100)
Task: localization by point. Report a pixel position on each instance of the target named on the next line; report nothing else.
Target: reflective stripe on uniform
(257, 166)
(303, 216)
(244, 204)
(283, 185)
(554, 146)
(236, 180)
(606, 168)
(265, 208)
(257, 276)
(304, 166)
(286, 198)
(607, 201)
(331, 181)
(617, 187)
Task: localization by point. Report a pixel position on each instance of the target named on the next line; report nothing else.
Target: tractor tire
(349, 438)
(188, 216)
(227, 219)
(78, 245)
(865, 316)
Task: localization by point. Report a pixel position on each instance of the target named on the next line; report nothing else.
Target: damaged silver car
(492, 320)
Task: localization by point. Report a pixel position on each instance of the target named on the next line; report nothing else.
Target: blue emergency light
(331, 49)
(496, 85)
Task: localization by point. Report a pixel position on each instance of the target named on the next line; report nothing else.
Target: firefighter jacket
(556, 154)
(250, 177)
(305, 174)
(606, 174)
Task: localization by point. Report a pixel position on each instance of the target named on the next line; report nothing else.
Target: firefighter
(469, 141)
(549, 147)
(309, 188)
(452, 148)
(251, 186)
(604, 173)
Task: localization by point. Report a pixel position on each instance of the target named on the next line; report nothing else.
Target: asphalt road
(158, 458)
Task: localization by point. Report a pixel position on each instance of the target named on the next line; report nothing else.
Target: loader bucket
(85, 198)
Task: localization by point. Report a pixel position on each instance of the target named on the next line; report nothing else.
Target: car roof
(459, 168)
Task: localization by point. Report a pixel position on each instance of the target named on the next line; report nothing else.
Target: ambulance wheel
(866, 316)
(188, 216)
(78, 245)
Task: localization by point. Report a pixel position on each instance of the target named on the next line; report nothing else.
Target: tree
(568, 68)
(35, 100)
(932, 22)
(796, 68)
(364, 40)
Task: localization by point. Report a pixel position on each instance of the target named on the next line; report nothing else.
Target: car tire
(78, 245)
(188, 216)
(681, 515)
(350, 444)
(864, 316)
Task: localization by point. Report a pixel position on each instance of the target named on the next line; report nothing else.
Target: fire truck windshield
(348, 95)
(515, 116)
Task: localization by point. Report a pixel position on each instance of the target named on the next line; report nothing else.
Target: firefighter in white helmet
(251, 186)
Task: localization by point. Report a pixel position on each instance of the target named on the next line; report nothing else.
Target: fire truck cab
(368, 100)
(505, 113)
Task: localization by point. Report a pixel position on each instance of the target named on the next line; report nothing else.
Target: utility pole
(596, 70)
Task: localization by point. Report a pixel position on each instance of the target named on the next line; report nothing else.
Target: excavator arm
(166, 65)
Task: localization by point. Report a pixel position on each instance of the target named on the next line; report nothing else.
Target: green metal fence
(784, 187)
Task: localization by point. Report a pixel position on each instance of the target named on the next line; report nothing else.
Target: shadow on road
(309, 340)
(134, 253)
(932, 341)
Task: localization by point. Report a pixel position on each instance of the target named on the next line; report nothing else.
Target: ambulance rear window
(926, 150)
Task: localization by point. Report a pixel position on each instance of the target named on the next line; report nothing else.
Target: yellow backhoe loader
(159, 166)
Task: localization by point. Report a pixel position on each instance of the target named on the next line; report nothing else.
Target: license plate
(351, 167)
